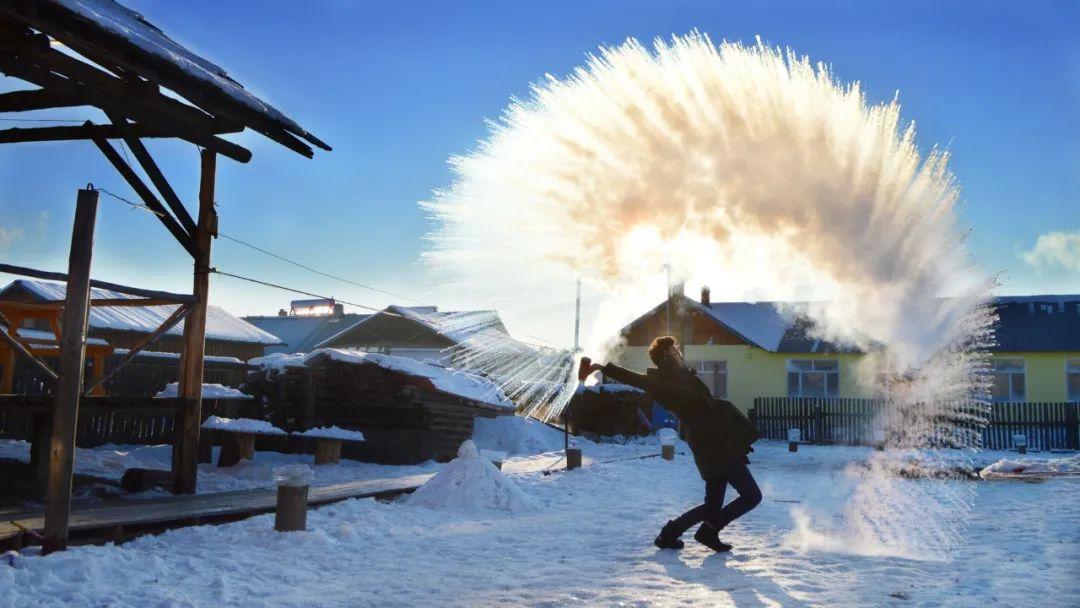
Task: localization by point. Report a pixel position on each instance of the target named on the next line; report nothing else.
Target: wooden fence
(1047, 426)
(110, 419)
(144, 376)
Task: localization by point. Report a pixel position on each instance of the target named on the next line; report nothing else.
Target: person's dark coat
(718, 433)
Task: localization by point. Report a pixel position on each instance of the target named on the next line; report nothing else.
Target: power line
(316, 271)
(126, 201)
(301, 292)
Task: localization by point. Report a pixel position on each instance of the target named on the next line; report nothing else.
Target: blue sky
(397, 87)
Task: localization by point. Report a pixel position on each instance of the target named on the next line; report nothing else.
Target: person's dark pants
(713, 510)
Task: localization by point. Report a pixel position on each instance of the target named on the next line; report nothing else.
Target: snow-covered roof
(456, 326)
(455, 382)
(760, 323)
(301, 334)
(220, 325)
(121, 34)
(37, 337)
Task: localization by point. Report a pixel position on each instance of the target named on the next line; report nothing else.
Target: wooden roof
(129, 60)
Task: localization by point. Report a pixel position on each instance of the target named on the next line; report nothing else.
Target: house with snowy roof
(421, 333)
(744, 350)
(124, 327)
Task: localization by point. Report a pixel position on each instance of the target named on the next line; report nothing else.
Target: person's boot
(669, 537)
(710, 537)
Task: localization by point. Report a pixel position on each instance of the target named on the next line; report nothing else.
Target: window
(1009, 383)
(1072, 379)
(813, 378)
(713, 374)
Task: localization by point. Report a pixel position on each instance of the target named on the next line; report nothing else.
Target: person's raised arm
(624, 376)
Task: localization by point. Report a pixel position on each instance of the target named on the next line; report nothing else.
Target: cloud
(9, 235)
(1055, 249)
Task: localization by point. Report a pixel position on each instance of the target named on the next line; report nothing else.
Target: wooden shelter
(120, 64)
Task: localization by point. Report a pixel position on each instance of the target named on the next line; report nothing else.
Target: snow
(586, 542)
(470, 484)
(462, 384)
(35, 336)
(293, 475)
(761, 323)
(209, 391)
(612, 387)
(516, 435)
(278, 361)
(332, 432)
(220, 325)
(241, 425)
(161, 355)
(1032, 467)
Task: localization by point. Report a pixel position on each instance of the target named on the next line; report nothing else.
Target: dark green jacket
(718, 433)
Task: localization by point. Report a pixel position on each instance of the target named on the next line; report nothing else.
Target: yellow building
(745, 350)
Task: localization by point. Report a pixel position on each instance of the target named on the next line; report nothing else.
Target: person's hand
(595, 367)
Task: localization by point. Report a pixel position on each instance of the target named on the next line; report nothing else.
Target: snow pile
(451, 381)
(471, 484)
(293, 475)
(612, 388)
(516, 435)
(332, 432)
(241, 425)
(1033, 467)
(278, 361)
(209, 391)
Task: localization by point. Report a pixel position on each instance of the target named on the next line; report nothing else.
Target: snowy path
(587, 544)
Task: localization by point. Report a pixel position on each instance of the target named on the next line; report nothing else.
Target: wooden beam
(17, 135)
(186, 445)
(72, 367)
(177, 316)
(172, 298)
(40, 99)
(41, 65)
(142, 155)
(146, 195)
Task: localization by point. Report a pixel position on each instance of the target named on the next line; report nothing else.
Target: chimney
(705, 299)
(339, 310)
(678, 289)
(282, 313)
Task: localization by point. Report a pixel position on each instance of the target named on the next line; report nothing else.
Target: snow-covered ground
(586, 542)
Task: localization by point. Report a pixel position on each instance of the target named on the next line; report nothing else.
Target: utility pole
(577, 318)
(72, 366)
(667, 267)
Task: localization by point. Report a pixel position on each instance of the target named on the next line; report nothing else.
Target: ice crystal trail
(750, 170)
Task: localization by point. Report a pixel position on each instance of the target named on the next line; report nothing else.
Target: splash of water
(745, 168)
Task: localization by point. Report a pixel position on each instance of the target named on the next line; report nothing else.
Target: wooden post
(186, 442)
(72, 366)
(327, 450)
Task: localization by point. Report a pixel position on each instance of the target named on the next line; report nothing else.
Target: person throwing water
(720, 437)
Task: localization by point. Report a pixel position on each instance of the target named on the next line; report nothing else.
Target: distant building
(306, 324)
(127, 326)
(744, 350)
(422, 333)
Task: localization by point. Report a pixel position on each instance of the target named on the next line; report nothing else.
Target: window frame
(700, 367)
(1011, 397)
(1075, 371)
(799, 368)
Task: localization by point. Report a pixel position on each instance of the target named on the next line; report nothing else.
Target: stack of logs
(405, 420)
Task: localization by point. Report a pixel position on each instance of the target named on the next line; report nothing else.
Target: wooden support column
(185, 463)
(72, 366)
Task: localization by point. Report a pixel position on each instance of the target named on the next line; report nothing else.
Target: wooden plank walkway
(117, 522)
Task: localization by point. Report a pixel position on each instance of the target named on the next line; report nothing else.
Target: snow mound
(209, 391)
(471, 484)
(516, 435)
(241, 425)
(332, 432)
(1033, 467)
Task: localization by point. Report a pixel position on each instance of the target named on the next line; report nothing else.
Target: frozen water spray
(753, 171)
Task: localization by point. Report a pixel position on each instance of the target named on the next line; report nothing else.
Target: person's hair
(660, 348)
